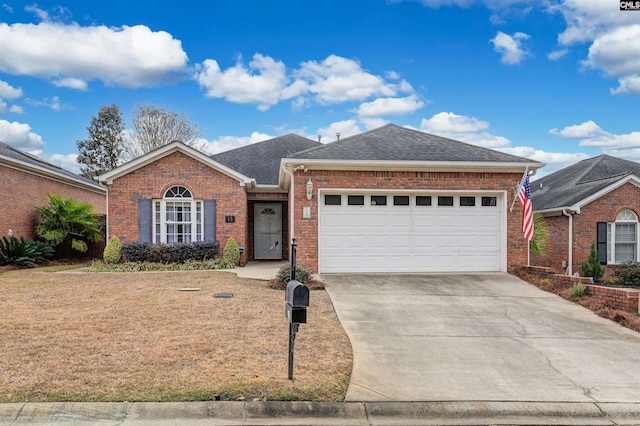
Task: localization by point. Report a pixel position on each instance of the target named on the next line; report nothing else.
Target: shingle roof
(15, 154)
(261, 160)
(575, 183)
(395, 143)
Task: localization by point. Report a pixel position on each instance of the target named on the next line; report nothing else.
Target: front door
(268, 231)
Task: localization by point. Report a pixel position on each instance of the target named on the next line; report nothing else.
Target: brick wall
(151, 181)
(617, 298)
(22, 192)
(604, 209)
(306, 230)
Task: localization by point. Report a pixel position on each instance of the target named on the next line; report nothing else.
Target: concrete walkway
(482, 337)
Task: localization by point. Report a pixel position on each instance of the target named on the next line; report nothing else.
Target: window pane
(445, 201)
(332, 200)
(422, 200)
(467, 201)
(489, 201)
(356, 200)
(625, 238)
(400, 200)
(378, 200)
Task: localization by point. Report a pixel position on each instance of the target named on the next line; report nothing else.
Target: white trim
(432, 166)
(50, 174)
(169, 149)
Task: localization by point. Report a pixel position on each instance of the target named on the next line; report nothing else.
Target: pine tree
(102, 150)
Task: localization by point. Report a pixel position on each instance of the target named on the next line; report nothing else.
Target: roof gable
(261, 160)
(31, 163)
(169, 149)
(579, 183)
(399, 144)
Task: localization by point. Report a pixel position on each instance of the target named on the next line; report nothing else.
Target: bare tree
(154, 127)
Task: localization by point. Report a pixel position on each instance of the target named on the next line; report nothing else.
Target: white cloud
(462, 128)
(266, 82)
(591, 135)
(9, 92)
(16, 109)
(338, 79)
(54, 103)
(3, 107)
(390, 106)
(613, 36)
(19, 135)
(262, 83)
(346, 128)
(553, 161)
(71, 83)
(226, 143)
(125, 56)
(557, 54)
(510, 47)
(67, 162)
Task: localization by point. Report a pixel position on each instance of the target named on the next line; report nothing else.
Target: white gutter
(291, 204)
(570, 261)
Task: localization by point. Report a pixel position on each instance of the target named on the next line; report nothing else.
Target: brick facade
(22, 192)
(604, 209)
(151, 182)
(306, 230)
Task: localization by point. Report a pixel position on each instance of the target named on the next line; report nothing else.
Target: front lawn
(137, 337)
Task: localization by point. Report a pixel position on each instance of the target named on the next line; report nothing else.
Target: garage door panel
(376, 238)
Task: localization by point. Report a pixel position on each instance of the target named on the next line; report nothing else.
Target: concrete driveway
(479, 337)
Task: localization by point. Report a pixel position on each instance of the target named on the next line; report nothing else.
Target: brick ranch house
(388, 200)
(26, 180)
(594, 201)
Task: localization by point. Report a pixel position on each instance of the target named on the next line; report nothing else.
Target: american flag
(524, 195)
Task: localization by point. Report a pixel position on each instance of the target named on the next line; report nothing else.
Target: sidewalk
(306, 413)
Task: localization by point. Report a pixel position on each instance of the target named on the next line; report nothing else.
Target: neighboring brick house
(596, 201)
(390, 199)
(26, 180)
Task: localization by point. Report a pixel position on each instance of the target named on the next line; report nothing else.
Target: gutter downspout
(291, 205)
(570, 261)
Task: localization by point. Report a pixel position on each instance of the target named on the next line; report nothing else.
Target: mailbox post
(296, 303)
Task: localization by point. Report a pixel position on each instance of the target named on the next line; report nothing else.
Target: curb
(319, 413)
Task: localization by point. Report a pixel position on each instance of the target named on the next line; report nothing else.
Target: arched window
(177, 217)
(622, 238)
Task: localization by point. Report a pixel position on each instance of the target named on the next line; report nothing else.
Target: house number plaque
(229, 219)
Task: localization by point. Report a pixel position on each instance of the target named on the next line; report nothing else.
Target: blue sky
(552, 80)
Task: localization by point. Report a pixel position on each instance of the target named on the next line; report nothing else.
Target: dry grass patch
(136, 337)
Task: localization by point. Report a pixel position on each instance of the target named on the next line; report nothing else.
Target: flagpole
(526, 172)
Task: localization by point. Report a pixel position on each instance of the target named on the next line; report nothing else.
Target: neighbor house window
(622, 238)
(178, 217)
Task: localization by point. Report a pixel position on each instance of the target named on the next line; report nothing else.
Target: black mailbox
(297, 294)
(297, 297)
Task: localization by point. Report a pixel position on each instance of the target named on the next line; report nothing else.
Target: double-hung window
(622, 238)
(177, 217)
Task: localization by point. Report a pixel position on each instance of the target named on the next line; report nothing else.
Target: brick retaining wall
(618, 298)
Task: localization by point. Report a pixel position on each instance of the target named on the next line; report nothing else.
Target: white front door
(267, 231)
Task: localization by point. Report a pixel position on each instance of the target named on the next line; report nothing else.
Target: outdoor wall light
(309, 189)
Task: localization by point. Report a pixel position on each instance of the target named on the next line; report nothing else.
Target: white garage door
(438, 232)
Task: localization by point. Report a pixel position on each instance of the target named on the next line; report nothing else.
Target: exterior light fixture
(309, 190)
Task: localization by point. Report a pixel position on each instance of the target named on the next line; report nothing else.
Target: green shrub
(592, 267)
(578, 290)
(150, 267)
(111, 252)
(231, 253)
(302, 274)
(629, 274)
(14, 251)
(170, 253)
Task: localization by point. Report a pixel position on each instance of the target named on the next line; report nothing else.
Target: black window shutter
(209, 220)
(144, 220)
(602, 242)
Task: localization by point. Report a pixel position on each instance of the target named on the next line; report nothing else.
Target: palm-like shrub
(68, 223)
(14, 251)
(540, 236)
